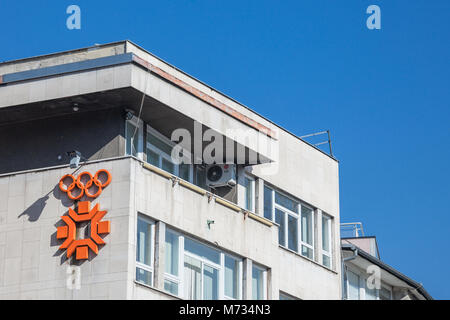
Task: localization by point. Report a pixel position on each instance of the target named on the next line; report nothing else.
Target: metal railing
(355, 229)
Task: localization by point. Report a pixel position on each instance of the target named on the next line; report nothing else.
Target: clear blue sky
(308, 66)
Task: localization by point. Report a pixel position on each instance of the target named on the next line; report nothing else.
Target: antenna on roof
(327, 132)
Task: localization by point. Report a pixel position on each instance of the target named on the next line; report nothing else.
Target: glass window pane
(171, 287)
(268, 204)
(307, 225)
(279, 218)
(249, 194)
(144, 240)
(326, 261)
(200, 177)
(307, 252)
(144, 276)
(132, 146)
(158, 143)
(231, 277)
(326, 233)
(257, 283)
(168, 166)
(286, 202)
(171, 249)
(353, 286)
(210, 283)
(192, 278)
(184, 171)
(292, 233)
(152, 157)
(201, 250)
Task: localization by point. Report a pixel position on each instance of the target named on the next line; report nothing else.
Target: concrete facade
(31, 204)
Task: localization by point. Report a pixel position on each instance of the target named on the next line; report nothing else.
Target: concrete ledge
(157, 170)
(193, 187)
(228, 204)
(260, 219)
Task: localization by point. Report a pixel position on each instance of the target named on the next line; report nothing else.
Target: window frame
(362, 285)
(219, 266)
(298, 216)
(140, 265)
(264, 273)
(163, 155)
(252, 185)
(313, 224)
(170, 277)
(330, 241)
(135, 122)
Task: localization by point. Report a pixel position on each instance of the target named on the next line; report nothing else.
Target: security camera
(75, 157)
(129, 114)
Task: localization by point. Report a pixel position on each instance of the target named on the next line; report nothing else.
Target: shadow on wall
(35, 210)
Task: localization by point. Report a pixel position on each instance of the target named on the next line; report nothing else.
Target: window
(159, 154)
(353, 286)
(295, 221)
(200, 176)
(326, 241)
(196, 271)
(172, 263)
(249, 184)
(268, 203)
(201, 266)
(232, 277)
(259, 286)
(307, 232)
(144, 251)
(356, 288)
(133, 137)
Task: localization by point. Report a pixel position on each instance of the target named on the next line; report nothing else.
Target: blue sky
(308, 66)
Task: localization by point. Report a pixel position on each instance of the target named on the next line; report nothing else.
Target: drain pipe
(344, 270)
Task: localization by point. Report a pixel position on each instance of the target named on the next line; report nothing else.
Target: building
(93, 205)
(362, 267)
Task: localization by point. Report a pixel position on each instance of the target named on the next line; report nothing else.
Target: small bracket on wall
(174, 181)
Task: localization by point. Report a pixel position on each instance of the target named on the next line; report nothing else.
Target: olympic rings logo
(85, 187)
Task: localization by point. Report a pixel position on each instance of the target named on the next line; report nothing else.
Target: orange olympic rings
(85, 187)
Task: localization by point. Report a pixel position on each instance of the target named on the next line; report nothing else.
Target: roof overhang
(388, 273)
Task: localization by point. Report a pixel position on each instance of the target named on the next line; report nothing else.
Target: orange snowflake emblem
(85, 214)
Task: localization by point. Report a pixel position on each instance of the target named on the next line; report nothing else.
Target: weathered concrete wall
(32, 266)
(37, 144)
(62, 58)
(185, 210)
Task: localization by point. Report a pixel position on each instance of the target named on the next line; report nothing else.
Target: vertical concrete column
(159, 268)
(318, 237)
(247, 281)
(240, 186)
(273, 292)
(259, 196)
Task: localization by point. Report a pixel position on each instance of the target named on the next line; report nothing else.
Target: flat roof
(124, 42)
